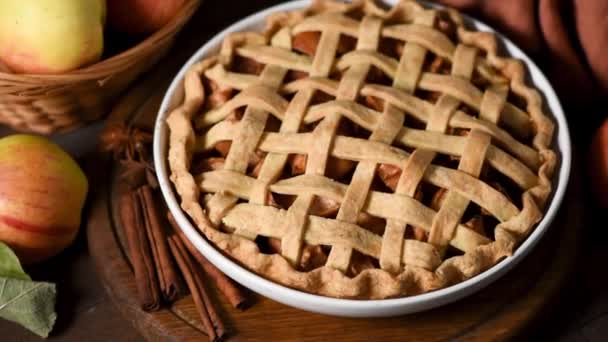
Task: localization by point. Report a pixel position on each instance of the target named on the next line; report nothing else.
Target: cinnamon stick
(167, 277)
(145, 277)
(229, 289)
(192, 275)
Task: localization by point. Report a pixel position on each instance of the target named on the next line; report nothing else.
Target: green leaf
(29, 303)
(10, 267)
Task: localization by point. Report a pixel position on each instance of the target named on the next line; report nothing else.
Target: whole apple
(140, 17)
(50, 36)
(42, 193)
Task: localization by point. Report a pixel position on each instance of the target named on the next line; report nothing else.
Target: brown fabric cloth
(566, 39)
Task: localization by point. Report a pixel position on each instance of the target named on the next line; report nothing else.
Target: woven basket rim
(111, 65)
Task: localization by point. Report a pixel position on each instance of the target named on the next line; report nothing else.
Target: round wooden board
(503, 310)
(500, 311)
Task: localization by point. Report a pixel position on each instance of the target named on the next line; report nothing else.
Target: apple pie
(356, 151)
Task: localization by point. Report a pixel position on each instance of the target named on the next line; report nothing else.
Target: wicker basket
(48, 104)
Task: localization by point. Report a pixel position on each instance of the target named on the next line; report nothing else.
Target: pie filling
(357, 151)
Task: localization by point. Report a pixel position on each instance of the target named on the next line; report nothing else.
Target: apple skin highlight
(50, 36)
(42, 193)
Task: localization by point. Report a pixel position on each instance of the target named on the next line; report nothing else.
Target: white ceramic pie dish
(348, 307)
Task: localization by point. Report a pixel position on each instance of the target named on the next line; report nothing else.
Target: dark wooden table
(85, 313)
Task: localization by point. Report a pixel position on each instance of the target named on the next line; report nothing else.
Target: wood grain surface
(503, 310)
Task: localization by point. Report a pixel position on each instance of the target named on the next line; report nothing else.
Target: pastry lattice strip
(406, 77)
(348, 89)
(248, 135)
(380, 204)
(529, 167)
(409, 137)
(276, 106)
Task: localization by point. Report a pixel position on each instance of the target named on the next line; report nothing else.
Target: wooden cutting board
(503, 310)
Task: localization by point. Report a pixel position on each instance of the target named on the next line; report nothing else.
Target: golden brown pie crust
(361, 193)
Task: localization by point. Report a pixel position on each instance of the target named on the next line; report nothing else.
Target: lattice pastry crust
(437, 111)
